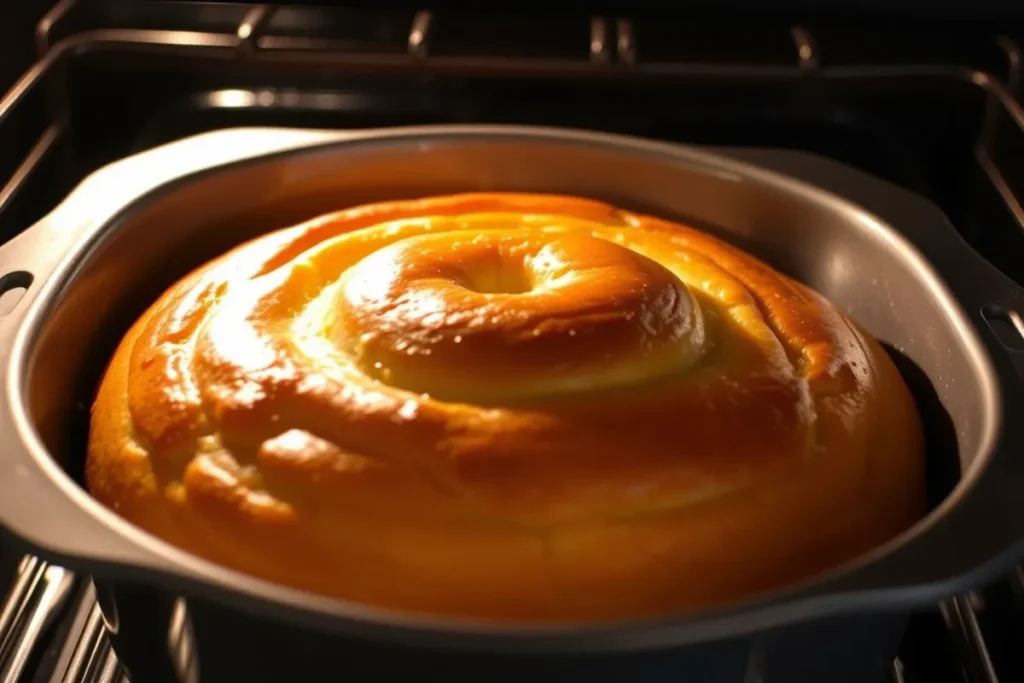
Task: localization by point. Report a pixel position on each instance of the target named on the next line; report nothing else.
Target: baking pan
(887, 257)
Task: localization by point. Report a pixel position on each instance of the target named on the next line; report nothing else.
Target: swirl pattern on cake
(508, 407)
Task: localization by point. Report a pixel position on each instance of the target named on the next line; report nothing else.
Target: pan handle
(25, 269)
(1006, 323)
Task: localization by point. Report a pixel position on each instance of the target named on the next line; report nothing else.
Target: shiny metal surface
(87, 656)
(39, 592)
(300, 170)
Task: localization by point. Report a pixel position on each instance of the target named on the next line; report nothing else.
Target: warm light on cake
(510, 407)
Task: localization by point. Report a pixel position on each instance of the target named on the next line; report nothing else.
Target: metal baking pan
(885, 256)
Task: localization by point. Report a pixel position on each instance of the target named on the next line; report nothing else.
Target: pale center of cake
(511, 314)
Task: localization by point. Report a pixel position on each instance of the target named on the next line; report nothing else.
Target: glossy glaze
(506, 406)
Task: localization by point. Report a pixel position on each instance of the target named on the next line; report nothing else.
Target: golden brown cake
(510, 407)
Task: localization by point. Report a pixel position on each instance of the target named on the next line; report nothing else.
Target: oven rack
(612, 52)
(605, 48)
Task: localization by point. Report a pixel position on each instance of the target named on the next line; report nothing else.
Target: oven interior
(902, 100)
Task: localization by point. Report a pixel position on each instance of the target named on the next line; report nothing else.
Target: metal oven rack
(608, 49)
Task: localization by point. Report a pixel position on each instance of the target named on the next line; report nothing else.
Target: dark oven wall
(18, 19)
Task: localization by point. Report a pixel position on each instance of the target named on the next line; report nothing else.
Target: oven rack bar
(35, 600)
(87, 656)
(249, 42)
(40, 590)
